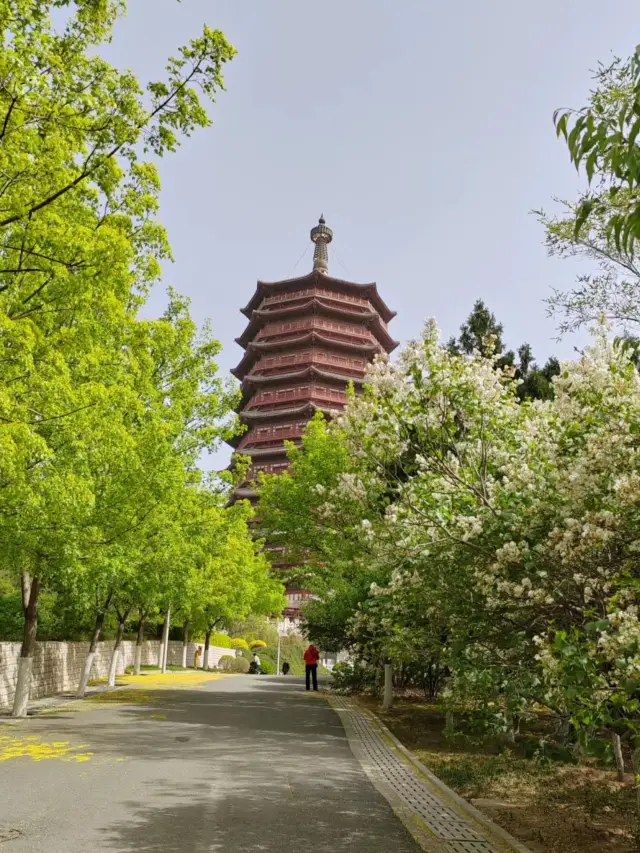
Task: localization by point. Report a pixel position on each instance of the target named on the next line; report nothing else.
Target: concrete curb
(463, 805)
(41, 706)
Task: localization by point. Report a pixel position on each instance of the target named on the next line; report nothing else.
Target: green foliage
(602, 138)
(11, 617)
(351, 678)
(602, 225)
(267, 666)
(482, 333)
(476, 540)
(240, 665)
(227, 662)
(231, 577)
(325, 555)
(103, 413)
(536, 383)
(240, 643)
(58, 619)
(256, 627)
(222, 641)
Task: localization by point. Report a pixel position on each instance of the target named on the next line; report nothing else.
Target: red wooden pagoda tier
(306, 340)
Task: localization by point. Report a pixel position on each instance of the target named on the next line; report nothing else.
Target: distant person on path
(255, 663)
(311, 658)
(285, 668)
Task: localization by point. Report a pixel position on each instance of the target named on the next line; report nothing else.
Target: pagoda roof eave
(371, 289)
(241, 369)
(310, 370)
(387, 343)
(262, 346)
(278, 450)
(245, 493)
(252, 380)
(260, 317)
(273, 414)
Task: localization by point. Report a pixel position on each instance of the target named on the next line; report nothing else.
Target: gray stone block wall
(57, 666)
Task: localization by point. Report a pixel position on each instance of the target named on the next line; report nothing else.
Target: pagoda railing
(275, 468)
(316, 291)
(259, 436)
(310, 356)
(355, 331)
(310, 393)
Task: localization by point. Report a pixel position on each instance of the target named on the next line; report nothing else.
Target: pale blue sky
(422, 130)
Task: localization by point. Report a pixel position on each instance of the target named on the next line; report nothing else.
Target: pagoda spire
(321, 235)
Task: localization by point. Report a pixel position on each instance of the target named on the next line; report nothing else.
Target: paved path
(234, 765)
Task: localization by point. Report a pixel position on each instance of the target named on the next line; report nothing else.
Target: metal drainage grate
(384, 763)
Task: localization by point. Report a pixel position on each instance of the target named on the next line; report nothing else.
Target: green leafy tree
(79, 248)
(602, 138)
(234, 578)
(481, 333)
(325, 547)
(536, 383)
(601, 225)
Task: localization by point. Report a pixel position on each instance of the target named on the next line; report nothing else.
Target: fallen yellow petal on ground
(38, 750)
(173, 680)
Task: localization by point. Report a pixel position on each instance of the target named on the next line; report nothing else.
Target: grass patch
(559, 806)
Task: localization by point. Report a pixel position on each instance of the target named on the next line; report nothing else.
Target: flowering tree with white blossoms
(508, 531)
(518, 522)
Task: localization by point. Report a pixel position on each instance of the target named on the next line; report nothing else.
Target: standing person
(311, 658)
(256, 663)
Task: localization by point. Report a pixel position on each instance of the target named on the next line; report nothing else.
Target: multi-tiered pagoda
(306, 340)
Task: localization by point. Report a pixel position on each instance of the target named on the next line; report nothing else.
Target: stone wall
(57, 666)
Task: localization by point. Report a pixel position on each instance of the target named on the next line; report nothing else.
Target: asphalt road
(239, 764)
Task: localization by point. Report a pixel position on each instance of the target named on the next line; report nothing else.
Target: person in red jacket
(311, 658)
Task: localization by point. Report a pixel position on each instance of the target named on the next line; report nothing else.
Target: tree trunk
(113, 666)
(164, 648)
(30, 593)
(388, 687)
(139, 642)
(511, 729)
(207, 642)
(564, 732)
(185, 642)
(636, 771)
(617, 754)
(97, 630)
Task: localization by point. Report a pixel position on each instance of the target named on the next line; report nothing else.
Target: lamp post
(278, 659)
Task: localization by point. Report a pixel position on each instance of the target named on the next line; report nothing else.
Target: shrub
(240, 665)
(348, 678)
(258, 644)
(239, 643)
(231, 664)
(223, 641)
(267, 666)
